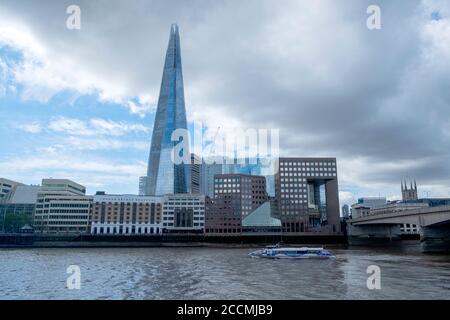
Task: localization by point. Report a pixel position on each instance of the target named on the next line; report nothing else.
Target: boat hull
(291, 254)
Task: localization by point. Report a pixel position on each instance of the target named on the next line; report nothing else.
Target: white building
(62, 207)
(126, 215)
(184, 213)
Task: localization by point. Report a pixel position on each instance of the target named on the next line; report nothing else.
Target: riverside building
(126, 215)
(183, 213)
(235, 197)
(306, 191)
(62, 207)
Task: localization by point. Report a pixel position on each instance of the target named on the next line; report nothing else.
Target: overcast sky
(81, 103)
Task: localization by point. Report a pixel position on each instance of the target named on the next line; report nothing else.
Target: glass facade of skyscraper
(163, 175)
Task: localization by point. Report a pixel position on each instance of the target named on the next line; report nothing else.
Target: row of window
(308, 174)
(125, 230)
(308, 164)
(295, 169)
(172, 218)
(293, 196)
(304, 190)
(196, 224)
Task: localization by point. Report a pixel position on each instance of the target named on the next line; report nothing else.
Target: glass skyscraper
(163, 175)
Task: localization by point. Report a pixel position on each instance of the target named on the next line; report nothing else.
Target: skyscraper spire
(163, 175)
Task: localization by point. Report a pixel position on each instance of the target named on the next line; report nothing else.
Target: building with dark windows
(307, 195)
(126, 215)
(235, 197)
(164, 176)
(183, 213)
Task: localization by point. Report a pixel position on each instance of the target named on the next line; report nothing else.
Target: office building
(252, 167)
(17, 207)
(244, 192)
(235, 197)
(307, 194)
(22, 194)
(372, 202)
(183, 213)
(126, 215)
(163, 175)
(62, 207)
(6, 186)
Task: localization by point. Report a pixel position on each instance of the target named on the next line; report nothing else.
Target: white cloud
(70, 126)
(378, 101)
(62, 135)
(92, 127)
(91, 172)
(103, 144)
(109, 127)
(3, 77)
(32, 127)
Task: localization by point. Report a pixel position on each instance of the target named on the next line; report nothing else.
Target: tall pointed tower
(409, 193)
(163, 176)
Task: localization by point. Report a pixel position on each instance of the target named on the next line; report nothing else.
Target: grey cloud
(314, 70)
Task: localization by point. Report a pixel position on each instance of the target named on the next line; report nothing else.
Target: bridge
(434, 223)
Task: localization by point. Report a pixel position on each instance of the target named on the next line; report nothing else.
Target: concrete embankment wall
(182, 240)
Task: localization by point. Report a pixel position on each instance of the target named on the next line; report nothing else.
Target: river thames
(221, 273)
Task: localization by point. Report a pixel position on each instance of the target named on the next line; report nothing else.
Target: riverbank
(166, 240)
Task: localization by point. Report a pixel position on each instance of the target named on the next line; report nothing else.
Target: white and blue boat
(291, 253)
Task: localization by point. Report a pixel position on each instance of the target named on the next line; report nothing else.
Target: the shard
(163, 175)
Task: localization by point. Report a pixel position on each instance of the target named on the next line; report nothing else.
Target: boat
(291, 253)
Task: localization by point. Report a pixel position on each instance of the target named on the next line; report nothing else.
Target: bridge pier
(435, 238)
(373, 234)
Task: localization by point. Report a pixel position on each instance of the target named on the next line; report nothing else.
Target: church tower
(410, 193)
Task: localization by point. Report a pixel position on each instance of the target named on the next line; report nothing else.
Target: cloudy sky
(80, 103)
